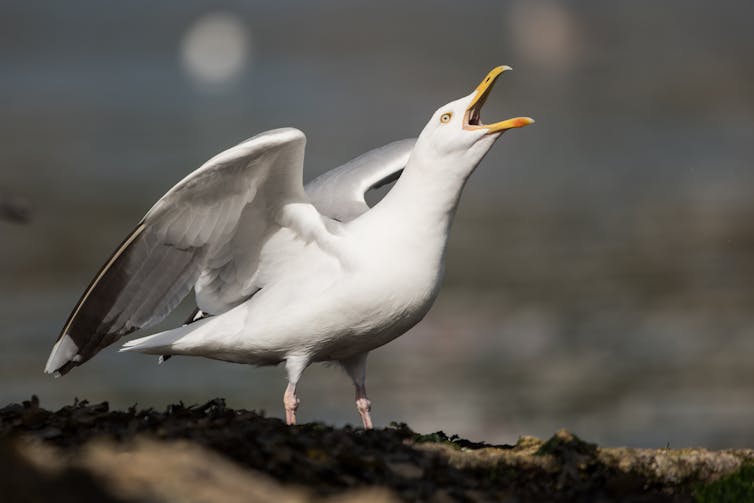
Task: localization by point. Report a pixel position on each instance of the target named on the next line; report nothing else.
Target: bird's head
(455, 136)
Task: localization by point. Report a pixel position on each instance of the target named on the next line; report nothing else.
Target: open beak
(472, 119)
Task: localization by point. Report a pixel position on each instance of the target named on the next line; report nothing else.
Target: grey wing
(130, 291)
(190, 235)
(339, 193)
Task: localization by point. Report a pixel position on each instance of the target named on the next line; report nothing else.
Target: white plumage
(287, 273)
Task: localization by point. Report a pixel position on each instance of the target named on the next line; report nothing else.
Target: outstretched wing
(206, 232)
(339, 193)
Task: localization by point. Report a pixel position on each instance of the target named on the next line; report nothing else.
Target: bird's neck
(424, 199)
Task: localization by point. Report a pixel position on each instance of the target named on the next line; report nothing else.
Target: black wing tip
(86, 347)
(101, 273)
(65, 369)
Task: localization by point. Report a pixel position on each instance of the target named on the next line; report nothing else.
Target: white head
(455, 140)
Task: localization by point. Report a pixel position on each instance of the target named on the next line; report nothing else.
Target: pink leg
(357, 369)
(294, 366)
(291, 401)
(364, 406)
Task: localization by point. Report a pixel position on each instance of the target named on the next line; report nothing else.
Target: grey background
(600, 272)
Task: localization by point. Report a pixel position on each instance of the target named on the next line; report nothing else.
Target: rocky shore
(211, 453)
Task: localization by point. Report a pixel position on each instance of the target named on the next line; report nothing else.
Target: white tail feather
(160, 343)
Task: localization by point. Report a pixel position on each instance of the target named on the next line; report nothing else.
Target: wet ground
(215, 453)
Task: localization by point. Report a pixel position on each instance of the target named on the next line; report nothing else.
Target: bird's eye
(445, 118)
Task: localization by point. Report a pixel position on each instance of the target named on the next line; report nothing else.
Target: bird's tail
(158, 344)
(201, 337)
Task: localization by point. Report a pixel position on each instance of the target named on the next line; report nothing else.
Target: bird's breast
(389, 293)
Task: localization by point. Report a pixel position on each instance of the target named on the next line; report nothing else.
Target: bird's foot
(290, 417)
(364, 406)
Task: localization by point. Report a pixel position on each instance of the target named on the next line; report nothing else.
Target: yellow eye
(445, 118)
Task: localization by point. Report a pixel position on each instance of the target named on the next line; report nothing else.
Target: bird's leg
(363, 405)
(291, 401)
(294, 366)
(356, 367)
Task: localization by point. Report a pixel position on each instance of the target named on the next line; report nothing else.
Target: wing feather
(339, 193)
(194, 224)
(208, 233)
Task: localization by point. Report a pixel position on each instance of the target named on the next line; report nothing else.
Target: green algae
(737, 487)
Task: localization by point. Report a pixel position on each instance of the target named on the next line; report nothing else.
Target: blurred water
(600, 270)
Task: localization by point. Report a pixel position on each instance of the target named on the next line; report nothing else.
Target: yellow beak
(472, 117)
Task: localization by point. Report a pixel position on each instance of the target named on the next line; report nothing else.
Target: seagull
(287, 273)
